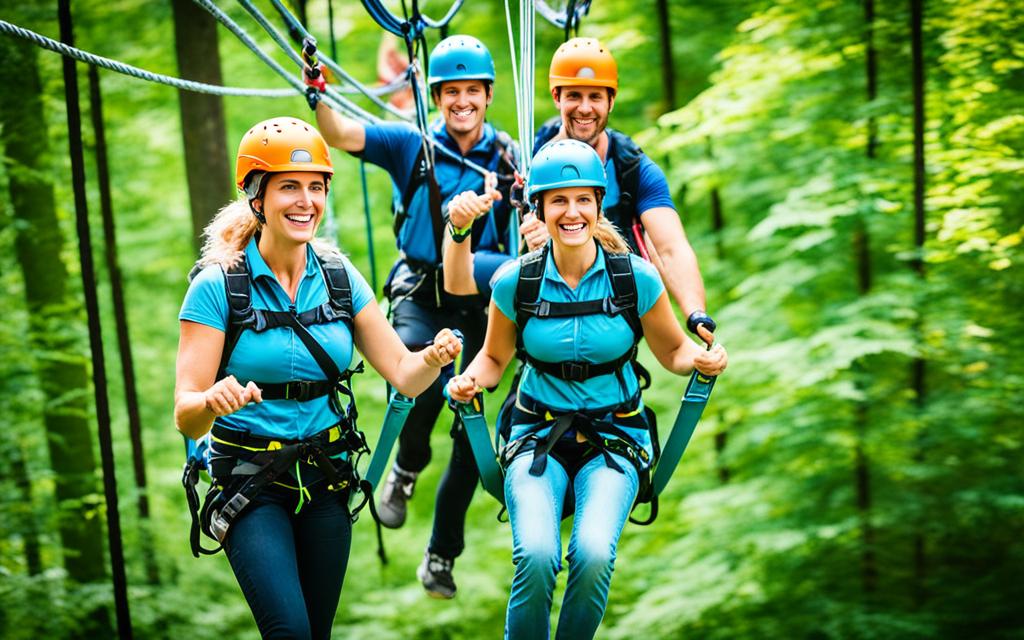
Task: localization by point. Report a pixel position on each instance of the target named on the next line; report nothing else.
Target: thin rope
(99, 371)
(570, 17)
(335, 101)
(293, 23)
(135, 72)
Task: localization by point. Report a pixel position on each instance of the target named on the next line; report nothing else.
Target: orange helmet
(282, 144)
(583, 62)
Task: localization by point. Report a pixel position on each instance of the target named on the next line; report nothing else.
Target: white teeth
(300, 219)
(572, 227)
(463, 114)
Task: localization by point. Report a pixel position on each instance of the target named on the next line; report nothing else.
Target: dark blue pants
(291, 567)
(417, 324)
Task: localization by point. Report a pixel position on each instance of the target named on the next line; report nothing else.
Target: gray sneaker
(397, 490)
(435, 572)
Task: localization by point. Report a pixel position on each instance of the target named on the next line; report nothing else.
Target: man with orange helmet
(584, 80)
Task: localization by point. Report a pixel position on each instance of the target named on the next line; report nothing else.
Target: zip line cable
(569, 18)
(99, 372)
(522, 83)
(135, 72)
(372, 94)
(283, 44)
(335, 101)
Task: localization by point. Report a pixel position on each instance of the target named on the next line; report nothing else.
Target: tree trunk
(918, 366)
(862, 258)
(203, 132)
(63, 376)
(668, 69)
(25, 519)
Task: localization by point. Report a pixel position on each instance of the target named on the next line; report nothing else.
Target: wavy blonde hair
(609, 236)
(231, 230)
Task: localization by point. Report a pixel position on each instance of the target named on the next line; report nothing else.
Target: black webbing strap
(189, 480)
(578, 371)
(300, 390)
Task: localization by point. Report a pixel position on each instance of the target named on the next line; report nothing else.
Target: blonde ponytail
(609, 237)
(228, 233)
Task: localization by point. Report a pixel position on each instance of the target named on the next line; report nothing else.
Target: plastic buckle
(574, 371)
(300, 390)
(610, 308)
(543, 309)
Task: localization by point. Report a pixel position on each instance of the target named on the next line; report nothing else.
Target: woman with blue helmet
(578, 432)
(262, 377)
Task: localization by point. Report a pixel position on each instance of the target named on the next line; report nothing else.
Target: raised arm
(409, 372)
(673, 349)
(341, 132)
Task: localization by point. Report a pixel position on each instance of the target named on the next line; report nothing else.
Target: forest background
(858, 472)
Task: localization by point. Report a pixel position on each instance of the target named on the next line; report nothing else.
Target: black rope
(99, 375)
(330, 29)
(131, 397)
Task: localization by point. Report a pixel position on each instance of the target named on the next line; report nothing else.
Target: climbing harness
(622, 301)
(243, 464)
(597, 430)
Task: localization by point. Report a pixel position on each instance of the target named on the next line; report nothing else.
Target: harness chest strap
(623, 301)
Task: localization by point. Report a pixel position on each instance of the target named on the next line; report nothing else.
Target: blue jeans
(604, 498)
(291, 567)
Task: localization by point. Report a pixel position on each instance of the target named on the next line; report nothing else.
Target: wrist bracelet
(459, 235)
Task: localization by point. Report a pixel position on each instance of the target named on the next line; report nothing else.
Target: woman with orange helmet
(268, 331)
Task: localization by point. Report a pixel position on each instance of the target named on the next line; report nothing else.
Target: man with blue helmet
(460, 78)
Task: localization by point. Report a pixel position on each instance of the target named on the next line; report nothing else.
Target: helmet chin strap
(254, 190)
(259, 215)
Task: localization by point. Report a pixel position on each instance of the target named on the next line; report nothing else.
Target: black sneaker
(435, 572)
(397, 490)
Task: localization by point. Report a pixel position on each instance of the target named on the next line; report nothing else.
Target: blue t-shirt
(277, 355)
(395, 147)
(590, 338)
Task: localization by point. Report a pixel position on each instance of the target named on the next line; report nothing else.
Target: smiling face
(463, 105)
(570, 215)
(293, 204)
(584, 111)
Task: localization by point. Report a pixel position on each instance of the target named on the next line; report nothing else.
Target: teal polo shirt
(590, 338)
(277, 355)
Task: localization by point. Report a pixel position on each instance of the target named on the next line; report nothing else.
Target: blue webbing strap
(394, 419)
(475, 424)
(698, 390)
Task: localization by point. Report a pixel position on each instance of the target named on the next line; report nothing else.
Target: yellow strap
(273, 445)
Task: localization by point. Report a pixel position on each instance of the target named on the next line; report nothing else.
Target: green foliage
(822, 496)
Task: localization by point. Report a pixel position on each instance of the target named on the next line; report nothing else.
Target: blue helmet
(565, 163)
(460, 58)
